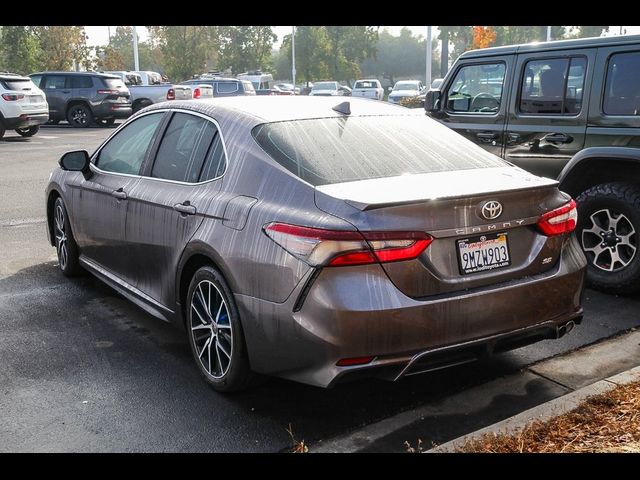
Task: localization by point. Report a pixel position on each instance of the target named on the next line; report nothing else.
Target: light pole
(293, 58)
(136, 63)
(548, 34)
(427, 80)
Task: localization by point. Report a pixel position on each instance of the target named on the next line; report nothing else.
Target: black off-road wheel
(66, 246)
(609, 232)
(79, 116)
(215, 333)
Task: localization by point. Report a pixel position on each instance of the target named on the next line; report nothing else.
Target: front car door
(475, 100)
(99, 204)
(57, 89)
(548, 112)
(167, 206)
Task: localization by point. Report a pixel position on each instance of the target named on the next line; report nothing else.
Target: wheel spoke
(193, 307)
(228, 355)
(204, 347)
(209, 355)
(218, 356)
(201, 327)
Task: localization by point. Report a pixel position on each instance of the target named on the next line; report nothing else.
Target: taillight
(12, 96)
(336, 248)
(196, 93)
(109, 92)
(171, 94)
(349, 362)
(559, 221)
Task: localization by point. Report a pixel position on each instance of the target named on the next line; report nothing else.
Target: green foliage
(588, 31)
(61, 46)
(118, 55)
(19, 50)
(247, 47)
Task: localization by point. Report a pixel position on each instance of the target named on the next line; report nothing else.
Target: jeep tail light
(108, 91)
(10, 97)
(336, 248)
(559, 221)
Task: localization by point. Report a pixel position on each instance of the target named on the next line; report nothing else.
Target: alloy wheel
(79, 116)
(61, 237)
(610, 241)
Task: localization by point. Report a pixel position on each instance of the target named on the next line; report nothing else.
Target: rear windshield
(325, 86)
(335, 150)
(406, 86)
(114, 83)
(17, 84)
(365, 84)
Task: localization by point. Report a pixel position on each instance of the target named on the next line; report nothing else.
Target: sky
(99, 35)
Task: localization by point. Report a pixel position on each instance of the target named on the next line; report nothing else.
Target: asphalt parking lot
(82, 369)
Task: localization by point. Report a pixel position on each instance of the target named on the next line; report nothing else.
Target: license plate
(483, 253)
(35, 99)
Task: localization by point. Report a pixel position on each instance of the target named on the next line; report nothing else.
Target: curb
(546, 411)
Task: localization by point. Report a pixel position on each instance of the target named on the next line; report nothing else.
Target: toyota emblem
(491, 210)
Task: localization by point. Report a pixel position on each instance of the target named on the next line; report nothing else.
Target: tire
(105, 122)
(228, 369)
(66, 246)
(137, 106)
(53, 122)
(608, 231)
(79, 116)
(2, 130)
(28, 132)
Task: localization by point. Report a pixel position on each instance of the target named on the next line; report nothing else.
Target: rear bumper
(112, 110)
(357, 311)
(26, 120)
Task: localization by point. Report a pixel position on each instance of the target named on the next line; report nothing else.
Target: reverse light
(11, 97)
(336, 248)
(171, 94)
(559, 221)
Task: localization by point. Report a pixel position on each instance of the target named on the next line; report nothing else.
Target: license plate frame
(496, 246)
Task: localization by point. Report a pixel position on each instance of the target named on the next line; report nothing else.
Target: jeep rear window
(114, 83)
(17, 84)
(335, 150)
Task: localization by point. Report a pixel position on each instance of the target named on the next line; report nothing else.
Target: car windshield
(325, 86)
(335, 150)
(365, 84)
(406, 86)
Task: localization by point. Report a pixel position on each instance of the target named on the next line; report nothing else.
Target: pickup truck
(145, 95)
(368, 89)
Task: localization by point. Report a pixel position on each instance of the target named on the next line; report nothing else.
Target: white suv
(23, 106)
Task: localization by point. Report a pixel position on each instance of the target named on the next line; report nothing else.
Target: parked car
(201, 90)
(566, 110)
(406, 89)
(84, 97)
(346, 91)
(305, 87)
(23, 106)
(144, 95)
(150, 78)
(288, 87)
(224, 87)
(370, 88)
(275, 90)
(326, 89)
(262, 82)
(385, 244)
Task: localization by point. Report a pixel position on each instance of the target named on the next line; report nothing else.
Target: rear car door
(99, 203)
(167, 206)
(57, 88)
(548, 111)
(475, 100)
(81, 86)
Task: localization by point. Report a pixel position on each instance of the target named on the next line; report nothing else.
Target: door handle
(120, 194)
(558, 138)
(66, 91)
(185, 208)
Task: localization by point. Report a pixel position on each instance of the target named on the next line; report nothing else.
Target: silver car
(317, 239)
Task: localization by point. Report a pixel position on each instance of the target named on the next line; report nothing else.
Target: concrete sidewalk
(540, 391)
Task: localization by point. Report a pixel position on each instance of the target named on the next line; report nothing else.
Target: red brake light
(347, 362)
(171, 94)
(196, 93)
(108, 92)
(559, 221)
(10, 97)
(333, 248)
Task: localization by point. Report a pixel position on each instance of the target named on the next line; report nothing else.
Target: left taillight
(559, 221)
(196, 93)
(336, 248)
(11, 97)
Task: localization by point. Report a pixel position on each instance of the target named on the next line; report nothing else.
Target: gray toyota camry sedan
(319, 239)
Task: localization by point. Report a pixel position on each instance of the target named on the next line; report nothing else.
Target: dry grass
(298, 446)
(609, 422)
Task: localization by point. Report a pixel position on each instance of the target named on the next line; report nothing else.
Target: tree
(62, 46)
(483, 37)
(514, 35)
(247, 47)
(588, 31)
(118, 55)
(349, 46)
(19, 50)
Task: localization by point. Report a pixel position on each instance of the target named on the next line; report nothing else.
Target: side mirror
(432, 101)
(76, 161)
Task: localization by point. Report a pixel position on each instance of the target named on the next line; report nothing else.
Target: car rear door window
(184, 148)
(477, 89)
(125, 152)
(622, 88)
(81, 81)
(216, 160)
(553, 86)
(55, 82)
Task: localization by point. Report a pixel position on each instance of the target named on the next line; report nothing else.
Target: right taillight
(336, 248)
(171, 94)
(559, 221)
(196, 93)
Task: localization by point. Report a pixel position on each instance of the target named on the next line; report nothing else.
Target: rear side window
(227, 87)
(477, 89)
(126, 151)
(113, 83)
(553, 86)
(622, 87)
(334, 150)
(81, 81)
(248, 86)
(55, 81)
(216, 161)
(184, 148)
